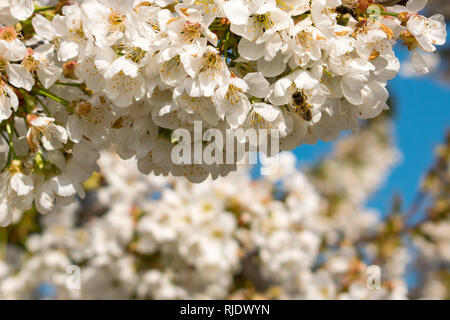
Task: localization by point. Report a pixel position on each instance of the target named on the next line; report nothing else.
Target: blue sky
(422, 116)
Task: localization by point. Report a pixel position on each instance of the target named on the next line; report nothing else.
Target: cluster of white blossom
(289, 235)
(437, 63)
(78, 76)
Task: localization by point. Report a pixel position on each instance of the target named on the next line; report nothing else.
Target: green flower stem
(77, 85)
(11, 152)
(392, 14)
(2, 133)
(30, 104)
(48, 94)
(43, 8)
(225, 46)
(39, 160)
(43, 106)
(301, 17)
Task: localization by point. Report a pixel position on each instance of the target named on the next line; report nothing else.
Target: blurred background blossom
(379, 197)
(300, 234)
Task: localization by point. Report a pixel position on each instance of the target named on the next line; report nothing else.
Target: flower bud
(69, 69)
(404, 17)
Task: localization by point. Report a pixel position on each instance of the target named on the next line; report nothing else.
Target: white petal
(267, 111)
(5, 214)
(258, 86)
(305, 80)
(250, 50)
(416, 5)
(13, 50)
(236, 11)
(271, 68)
(67, 50)
(59, 25)
(74, 128)
(63, 186)
(44, 200)
(61, 134)
(22, 9)
(85, 155)
(281, 86)
(115, 67)
(19, 76)
(48, 75)
(130, 69)
(21, 184)
(43, 27)
(353, 96)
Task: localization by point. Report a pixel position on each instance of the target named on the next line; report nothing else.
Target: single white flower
(8, 101)
(43, 131)
(428, 32)
(232, 103)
